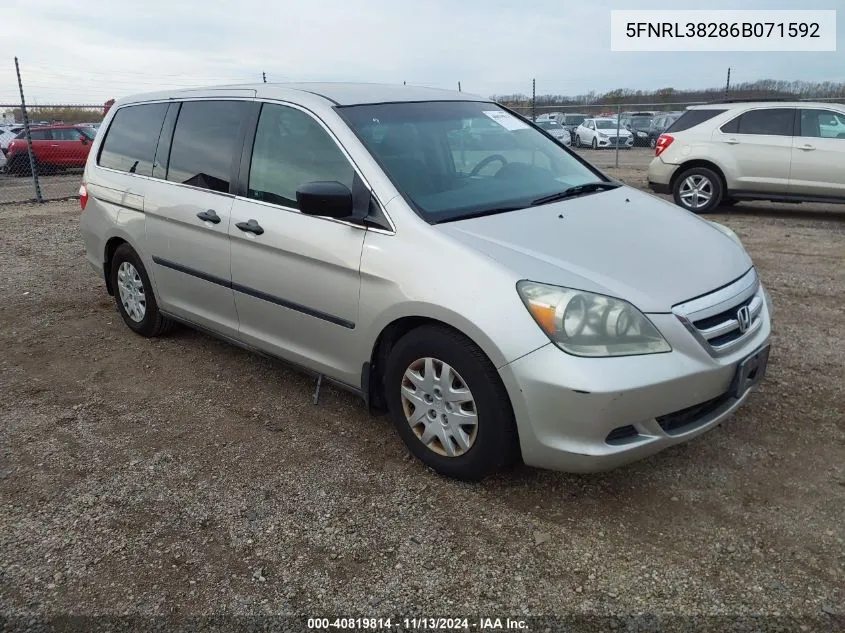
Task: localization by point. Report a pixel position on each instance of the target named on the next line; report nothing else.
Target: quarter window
(732, 126)
(292, 149)
(772, 122)
(206, 142)
(131, 139)
(822, 124)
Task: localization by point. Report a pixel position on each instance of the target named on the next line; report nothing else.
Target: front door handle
(807, 147)
(250, 227)
(731, 141)
(209, 216)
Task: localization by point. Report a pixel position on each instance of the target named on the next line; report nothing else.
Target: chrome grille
(723, 319)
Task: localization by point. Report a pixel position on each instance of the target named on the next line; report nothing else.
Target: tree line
(760, 89)
(59, 115)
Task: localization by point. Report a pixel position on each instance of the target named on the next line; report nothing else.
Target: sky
(85, 52)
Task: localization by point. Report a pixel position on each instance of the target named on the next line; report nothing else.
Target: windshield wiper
(478, 214)
(577, 190)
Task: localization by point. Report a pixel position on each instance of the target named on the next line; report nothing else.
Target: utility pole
(728, 83)
(459, 86)
(264, 77)
(33, 166)
(533, 99)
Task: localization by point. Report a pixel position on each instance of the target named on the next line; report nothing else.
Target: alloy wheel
(696, 191)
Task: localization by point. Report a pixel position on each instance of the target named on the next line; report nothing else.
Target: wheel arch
(699, 162)
(372, 386)
(112, 244)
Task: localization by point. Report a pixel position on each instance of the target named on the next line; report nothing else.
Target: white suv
(722, 153)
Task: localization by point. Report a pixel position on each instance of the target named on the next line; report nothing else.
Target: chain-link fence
(43, 154)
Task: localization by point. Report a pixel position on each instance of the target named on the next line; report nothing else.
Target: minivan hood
(622, 242)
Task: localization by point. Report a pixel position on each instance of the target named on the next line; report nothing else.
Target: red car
(54, 146)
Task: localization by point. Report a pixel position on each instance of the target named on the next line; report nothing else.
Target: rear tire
(428, 370)
(698, 189)
(134, 296)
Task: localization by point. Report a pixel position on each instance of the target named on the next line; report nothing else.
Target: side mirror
(329, 199)
(83, 140)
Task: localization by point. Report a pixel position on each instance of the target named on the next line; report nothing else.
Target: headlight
(729, 232)
(588, 324)
(640, 133)
(601, 135)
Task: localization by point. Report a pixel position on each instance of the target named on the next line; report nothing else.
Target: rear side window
(205, 143)
(773, 122)
(131, 139)
(691, 118)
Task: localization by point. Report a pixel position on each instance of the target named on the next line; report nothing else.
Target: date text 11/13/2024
(417, 624)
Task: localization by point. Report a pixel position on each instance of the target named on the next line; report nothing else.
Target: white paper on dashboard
(506, 120)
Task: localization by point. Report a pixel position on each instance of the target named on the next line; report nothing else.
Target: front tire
(698, 189)
(595, 144)
(134, 296)
(449, 404)
(577, 141)
(652, 142)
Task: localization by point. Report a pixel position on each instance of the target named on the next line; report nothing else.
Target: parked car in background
(570, 121)
(2, 163)
(722, 153)
(550, 116)
(55, 147)
(7, 135)
(639, 125)
(659, 124)
(569, 318)
(602, 132)
(556, 130)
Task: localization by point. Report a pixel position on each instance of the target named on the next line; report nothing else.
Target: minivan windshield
(574, 119)
(458, 159)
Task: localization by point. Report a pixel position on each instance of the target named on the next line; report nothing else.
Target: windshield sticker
(506, 120)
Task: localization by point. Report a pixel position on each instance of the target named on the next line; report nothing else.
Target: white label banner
(712, 31)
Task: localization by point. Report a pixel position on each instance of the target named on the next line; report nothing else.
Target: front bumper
(593, 414)
(609, 142)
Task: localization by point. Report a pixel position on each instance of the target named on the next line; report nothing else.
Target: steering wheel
(486, 161)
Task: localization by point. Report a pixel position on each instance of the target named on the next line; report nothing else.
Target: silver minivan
(494, 293)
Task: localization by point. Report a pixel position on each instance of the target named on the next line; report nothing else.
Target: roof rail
(750, 100)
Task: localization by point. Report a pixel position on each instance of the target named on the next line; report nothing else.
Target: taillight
(83, 196)
(663, 141)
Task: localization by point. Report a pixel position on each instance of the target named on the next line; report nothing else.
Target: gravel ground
(18, 189)
(181, 476)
